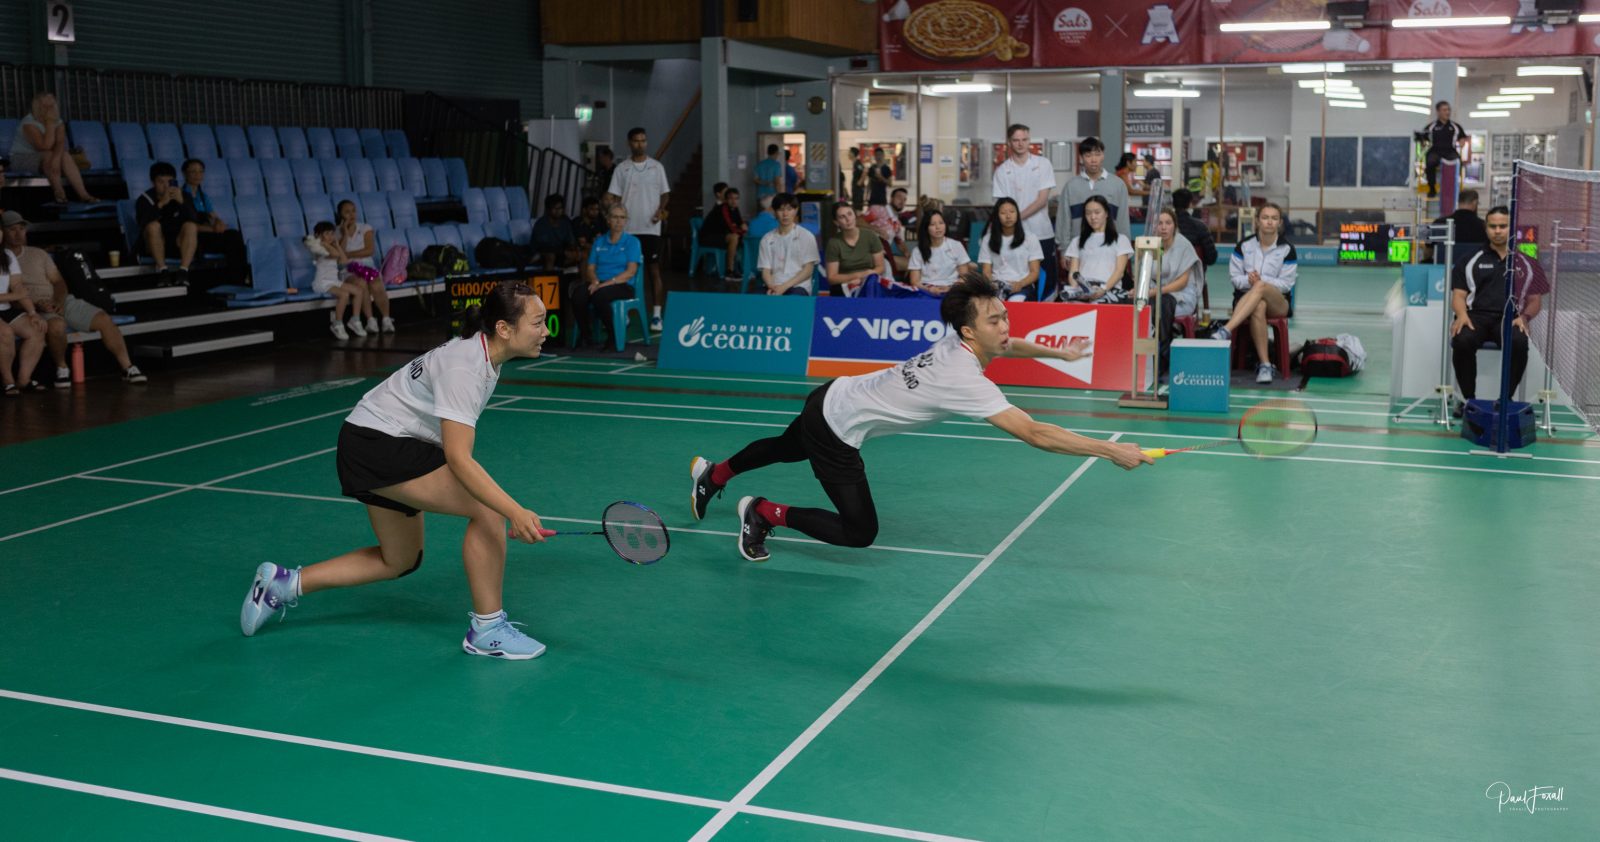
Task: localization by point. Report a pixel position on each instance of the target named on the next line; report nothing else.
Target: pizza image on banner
(960, 31)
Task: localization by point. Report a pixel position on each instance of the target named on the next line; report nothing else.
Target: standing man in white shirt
(640, 184)
(788, 255)
(1028, 180)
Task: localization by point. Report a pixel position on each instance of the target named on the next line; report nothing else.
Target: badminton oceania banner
(747, 333)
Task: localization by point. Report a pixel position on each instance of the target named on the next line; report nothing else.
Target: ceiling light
(1346, 103)
(1509, 98)
(1527, 90)
(1185, 93)
(1427, 22)
(1412, 84)
(961, 88)
(1549, 70)
(1414, 109)
(1413, 67)
(1282, 26)
(1314, 67)
(1497, 106)
(1411, 100)
(1330, 83)
(1482, 114)
(1589, 18)
(1343, 95)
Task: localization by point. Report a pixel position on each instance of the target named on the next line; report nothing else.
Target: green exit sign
(782, 120)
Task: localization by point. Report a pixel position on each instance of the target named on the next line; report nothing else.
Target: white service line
(787, 756)
(846, 824)
(625, 368)
(176, 451)
(193, 807)
(1401, 465)
(144, 500)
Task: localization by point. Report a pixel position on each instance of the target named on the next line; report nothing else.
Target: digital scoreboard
(1374, 243)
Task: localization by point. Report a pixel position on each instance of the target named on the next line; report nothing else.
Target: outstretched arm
(1057, 440)
(1023, 349)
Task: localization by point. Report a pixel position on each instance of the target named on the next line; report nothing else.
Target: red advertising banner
(958, 35)
(1108, 326)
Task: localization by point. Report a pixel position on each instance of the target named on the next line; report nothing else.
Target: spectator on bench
(788, 254)
(40, 145)
(613, 262)
(212, 234)
(167, 221)
(330, 279)
(937, 260)
(59, 309)
(1193, 229)
(553, 238)
(1097, 258)
(18, 318)
(1183, 278)
(1009, 257)
(1478, 299)
(589, 225)
(764, 222)
(356, 240)
(1263, 269)
(722, 228)
(853, 254)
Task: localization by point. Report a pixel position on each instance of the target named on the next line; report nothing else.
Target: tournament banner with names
(760, 334)
(469, 292)
(956, 35)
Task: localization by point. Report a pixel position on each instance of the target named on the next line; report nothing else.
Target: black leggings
(837, 466)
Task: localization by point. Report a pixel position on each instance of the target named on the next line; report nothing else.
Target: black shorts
(832, 461)
(650, 245)
(368, 459)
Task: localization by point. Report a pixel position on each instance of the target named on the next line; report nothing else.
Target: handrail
(682, 118)
(499, 153)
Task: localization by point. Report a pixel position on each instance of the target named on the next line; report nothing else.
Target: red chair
(1279, 338)
(1188, 324)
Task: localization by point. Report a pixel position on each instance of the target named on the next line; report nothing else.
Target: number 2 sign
(60, 22)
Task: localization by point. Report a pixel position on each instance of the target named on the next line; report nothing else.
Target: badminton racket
(634, 532)
(1272, 428)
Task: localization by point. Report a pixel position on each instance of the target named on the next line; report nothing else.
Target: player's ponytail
(504, 303)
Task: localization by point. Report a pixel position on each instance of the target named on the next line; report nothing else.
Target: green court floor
(1355, 643)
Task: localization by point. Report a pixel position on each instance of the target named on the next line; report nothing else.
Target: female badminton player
(841, 415)
(407, 448)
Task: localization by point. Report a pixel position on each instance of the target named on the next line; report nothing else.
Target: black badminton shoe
(753, 530)
(703, 488)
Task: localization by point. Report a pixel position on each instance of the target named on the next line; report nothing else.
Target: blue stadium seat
(372, 144)
(266, 265)
(222, 206)
(307, 176)
(321, 140)
(521, 231)
(219, 177)
(232, 143)
(336, 175)
(264, 141)
(471, 235)
(8, 132)
(349, 143)
(433, 176)
(385, 239)
(277, 176)
(517, 201)
(447, 235)
(498, 230)
(476, 205)
(362, 177)
(499, 209)
(165, 142)
(399, 146)
(455, 173)
(288, 220)
(403, 207)
(136, 175)
(411, 174)
(298, 266)
(419, 238)
(318, 208)
(255, 218)
(246, 177)
(128, 220)
(375, 210)
(199, 140)
(293, 139)
(89, 135)
(388, 172)
(128, 138)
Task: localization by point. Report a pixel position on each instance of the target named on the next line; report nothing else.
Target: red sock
(773, 513)
(721, 473)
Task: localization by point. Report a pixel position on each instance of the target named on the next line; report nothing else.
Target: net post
(1444, 388)
(1146, 299)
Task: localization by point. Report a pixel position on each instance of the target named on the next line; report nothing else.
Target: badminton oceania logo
(691, 331)
(736, 337)
(1184, 378)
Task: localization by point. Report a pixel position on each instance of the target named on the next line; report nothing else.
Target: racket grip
(547, 532)
(1155, 452)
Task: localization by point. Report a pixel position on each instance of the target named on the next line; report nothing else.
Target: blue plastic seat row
(164, 141)
(496, 204)
(428, 179)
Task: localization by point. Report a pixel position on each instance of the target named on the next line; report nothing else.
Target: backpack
(495, 253)
(1321, 358)
(82, 281)
(447, 259)
(394, 265)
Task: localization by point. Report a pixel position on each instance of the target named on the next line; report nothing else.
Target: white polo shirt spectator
(1097, 259)
(1011, 264)
(943, 266)
(787, 254)
(1021, 183)
(641, 184)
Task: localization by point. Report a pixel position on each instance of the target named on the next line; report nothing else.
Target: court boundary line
(799, 744)
(466, 766)
(192, 807)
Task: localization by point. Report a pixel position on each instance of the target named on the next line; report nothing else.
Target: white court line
(625, 368)
(193, 807)
(159, 496)
(460, 765)
(175, 451)
(760, 781)
(796, 382)
(1402, 465)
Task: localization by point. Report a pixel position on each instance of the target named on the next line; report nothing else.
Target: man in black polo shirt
(1478, 298)
(167, 221)
(1442, 136)
(1470, 233)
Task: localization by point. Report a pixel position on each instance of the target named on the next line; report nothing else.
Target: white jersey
(1022, 183)
(1011, 264)
(943, 266)
(640, 185)
(453, 381)
(943, 381)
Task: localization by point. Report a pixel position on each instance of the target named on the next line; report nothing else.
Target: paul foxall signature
(1532, 799)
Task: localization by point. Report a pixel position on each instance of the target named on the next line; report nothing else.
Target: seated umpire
(1478, 297)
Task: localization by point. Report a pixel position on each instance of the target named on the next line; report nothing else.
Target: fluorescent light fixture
(961, 88)
(583, 111)
(1509, 98)
(1549, 70)
(1331, 83)
(1429, 22)
(1412, 84)
(1169, 93)
(1414, 109)
(1482, 114)
(1411, 100)
(1497, 106)
(1343, 95)
(1346, 103)
(1282, 26)
(1589, 18)
(1527, 91)
(1314, 67)
(1461, 71)
(1413, 67)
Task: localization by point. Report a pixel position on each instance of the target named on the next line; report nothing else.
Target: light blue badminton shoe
(501, 640)
(275, 589)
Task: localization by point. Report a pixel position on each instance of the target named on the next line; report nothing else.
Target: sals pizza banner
(946, 35)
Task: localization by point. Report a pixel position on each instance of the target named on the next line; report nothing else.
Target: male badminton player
(841, 415)
(407, 448)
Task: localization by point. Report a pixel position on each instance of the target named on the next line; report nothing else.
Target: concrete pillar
(715, 148)
(1111, 115)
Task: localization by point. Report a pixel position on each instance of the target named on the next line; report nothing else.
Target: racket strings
(635, 533)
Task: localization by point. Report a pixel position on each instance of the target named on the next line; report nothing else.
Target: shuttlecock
(640, 358)
(900, 11)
